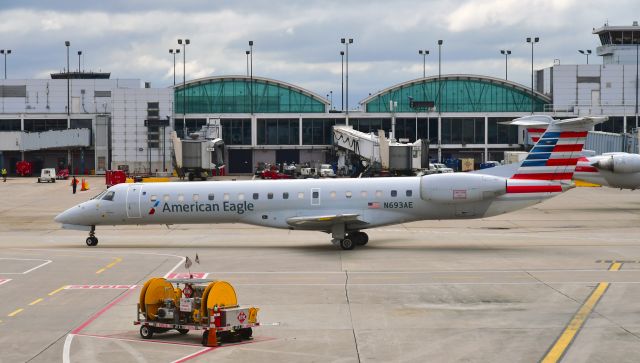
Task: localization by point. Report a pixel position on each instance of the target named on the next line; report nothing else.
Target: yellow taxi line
(35, 301)
(560, 346)
(57, 290)
(115, 262)
(16, 312)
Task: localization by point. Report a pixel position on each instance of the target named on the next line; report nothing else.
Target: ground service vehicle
(194, 304)
(47, 175)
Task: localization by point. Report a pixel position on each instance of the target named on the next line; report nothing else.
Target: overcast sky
(298, 41)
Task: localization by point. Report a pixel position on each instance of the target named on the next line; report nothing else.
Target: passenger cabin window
(225, 196)
(332, 194)
(363, 194)
(409, 193)
(256, 196)
(394, 193)
(166, 197)
(300, 195)
(379, 193)
(196, 197)
(240, 196)
(285, 195)
(109, 196)
(348, 195)
(269, 195)
(180, 197)
(211, 196)
(153, 198)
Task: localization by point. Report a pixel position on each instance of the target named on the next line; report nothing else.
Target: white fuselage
(376, 201)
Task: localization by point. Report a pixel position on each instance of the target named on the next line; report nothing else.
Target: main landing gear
(351, 240)
(92, 240)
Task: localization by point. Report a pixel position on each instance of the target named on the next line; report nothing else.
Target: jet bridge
(55, 139)
(374, 149)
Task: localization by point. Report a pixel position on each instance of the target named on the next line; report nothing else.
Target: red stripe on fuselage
(544, 176)
(586, 169)
(534, 188)
(538, 131)
(570, 147)
(568, 134)
(562, 162)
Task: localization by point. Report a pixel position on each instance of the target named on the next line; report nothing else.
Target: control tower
(619, 43)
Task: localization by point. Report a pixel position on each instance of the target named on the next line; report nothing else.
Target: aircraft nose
(70, 216)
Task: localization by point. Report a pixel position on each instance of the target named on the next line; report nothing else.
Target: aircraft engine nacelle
(620, 163)
(461, 187)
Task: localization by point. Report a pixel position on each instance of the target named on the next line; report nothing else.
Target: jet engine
(620, 163)
(461, 187)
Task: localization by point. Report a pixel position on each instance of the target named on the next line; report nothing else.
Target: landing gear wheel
(183, 331)
(92, 241)
(363, 238)
(347, 244)
(146, 332)
(245, 333)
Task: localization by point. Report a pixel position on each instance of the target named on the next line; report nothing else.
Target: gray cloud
(298, 41)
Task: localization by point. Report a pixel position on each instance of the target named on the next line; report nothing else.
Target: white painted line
(4, 281)
(192, 355)
(66, 351)
(182, 259)
(453, 283)
(24, 259)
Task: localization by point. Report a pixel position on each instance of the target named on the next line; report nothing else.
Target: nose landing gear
(92, 240)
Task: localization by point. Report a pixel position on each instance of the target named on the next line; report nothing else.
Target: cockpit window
(99, 195)
(109, 196)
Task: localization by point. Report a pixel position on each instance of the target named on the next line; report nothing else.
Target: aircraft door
(315, 196)
(133, 201)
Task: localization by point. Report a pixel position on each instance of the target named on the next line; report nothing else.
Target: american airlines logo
(239, 208)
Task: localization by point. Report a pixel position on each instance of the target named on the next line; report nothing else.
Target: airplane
(614, 170)
(343, 208)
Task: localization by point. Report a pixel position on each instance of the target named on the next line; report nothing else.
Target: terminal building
(127, 124)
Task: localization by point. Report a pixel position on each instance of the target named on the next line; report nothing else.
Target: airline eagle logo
(153, 209)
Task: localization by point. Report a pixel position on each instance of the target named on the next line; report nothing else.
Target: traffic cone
(84, 186)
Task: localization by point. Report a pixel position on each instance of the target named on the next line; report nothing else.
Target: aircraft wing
(325, 222)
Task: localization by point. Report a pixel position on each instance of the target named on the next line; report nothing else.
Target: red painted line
(534, 188)
(562, 162)
(155, 341)
(568, 134)
(97, 315)
(567, 147)
(586, 169)
(544, 176)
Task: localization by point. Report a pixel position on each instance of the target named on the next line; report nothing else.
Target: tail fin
(556, 153)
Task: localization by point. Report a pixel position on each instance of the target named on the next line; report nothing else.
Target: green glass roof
(232, 94)
(459, 93)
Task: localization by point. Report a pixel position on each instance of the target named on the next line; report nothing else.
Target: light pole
(439, 74)
(184, 83)
(424, 54)
(533, 41)
(585, 52)
(67, 44)
(247, 53)
(637, 41)
(5, 53)
(342, 81)
(346, 42)
(251, 72)
(174, 52)
(79, 55)
(506, 53)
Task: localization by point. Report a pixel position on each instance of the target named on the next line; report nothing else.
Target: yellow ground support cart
(194, 304)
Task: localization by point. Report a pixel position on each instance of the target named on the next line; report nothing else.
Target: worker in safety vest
(74, 184)
(4, 175)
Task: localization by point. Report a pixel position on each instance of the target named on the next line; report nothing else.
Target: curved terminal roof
(232, 94)
(459, 93)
